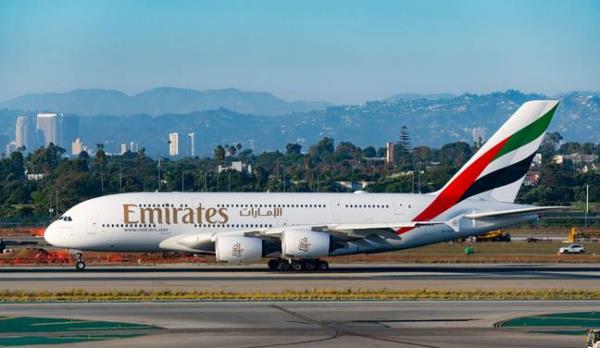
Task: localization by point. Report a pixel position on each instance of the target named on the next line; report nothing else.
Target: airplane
(295, 230)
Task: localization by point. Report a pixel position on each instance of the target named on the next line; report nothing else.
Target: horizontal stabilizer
(504, 213)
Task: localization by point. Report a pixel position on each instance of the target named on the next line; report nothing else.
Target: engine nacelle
(304, 244)
(238, 249)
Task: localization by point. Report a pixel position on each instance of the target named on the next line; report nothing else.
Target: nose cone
(51, 235)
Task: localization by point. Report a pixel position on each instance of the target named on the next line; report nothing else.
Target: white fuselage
(141, 221)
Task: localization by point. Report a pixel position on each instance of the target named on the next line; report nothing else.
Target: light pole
(158, 168)
(587, 203)
(182, 187)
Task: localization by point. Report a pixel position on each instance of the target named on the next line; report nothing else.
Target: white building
(237, 166)
(47, 123)
(389, 153)
(174, 144)
(22, 132)
(123, 149)
(76, 147)
(192, 144)
(11, 147)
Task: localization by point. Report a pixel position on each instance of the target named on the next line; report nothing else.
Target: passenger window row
(367, 206)
(233, 225)
(271, 206)
(128, 225)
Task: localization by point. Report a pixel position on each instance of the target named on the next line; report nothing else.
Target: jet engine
(238, 249)
(305, 244)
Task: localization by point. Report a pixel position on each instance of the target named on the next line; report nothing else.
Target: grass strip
(292, 295)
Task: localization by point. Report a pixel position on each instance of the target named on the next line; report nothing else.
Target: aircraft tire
(284, 266)
(80, 265)
(273, 264)
(297, 266)
(322, 265)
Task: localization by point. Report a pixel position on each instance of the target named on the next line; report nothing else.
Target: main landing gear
(298, 265)
(79, 263)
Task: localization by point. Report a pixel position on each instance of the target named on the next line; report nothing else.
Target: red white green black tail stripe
(497, 170)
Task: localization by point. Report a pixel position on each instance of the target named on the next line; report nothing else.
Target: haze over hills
(159, 101)
(431, 122)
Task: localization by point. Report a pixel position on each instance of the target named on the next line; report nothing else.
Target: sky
(341, 51)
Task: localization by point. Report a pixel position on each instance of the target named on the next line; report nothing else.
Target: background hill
(158, 101)
(431, 122)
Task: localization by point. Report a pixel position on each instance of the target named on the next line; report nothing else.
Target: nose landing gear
(301, 265)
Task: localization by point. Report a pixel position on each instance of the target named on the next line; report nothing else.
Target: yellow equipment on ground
(577, 235)
(494, 236)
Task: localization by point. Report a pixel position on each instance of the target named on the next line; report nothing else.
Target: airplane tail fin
(497, 170)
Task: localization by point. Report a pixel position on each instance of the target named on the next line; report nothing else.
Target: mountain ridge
(158, 101)
(430, 122)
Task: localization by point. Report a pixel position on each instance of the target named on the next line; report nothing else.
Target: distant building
(133, 147)
(22, 132)
(478, 133)
(531, 179)
(237, 166)
(576, 158)
(174, 144)
(389, 153)
(35, 177)
(123, 149)
(354, 185)
(76, 147)
(192, 144)
(11, 147)
(68, 129)
(47, 125)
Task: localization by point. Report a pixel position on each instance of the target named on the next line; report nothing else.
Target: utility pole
(587, 203)
(182, 188)
(158, 167)
(283, 176)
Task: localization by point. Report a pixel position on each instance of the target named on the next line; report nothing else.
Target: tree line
(36, 187)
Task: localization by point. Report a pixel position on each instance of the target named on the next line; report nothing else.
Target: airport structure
(174, 144)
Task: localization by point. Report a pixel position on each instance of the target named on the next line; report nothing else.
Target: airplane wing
(204, 243)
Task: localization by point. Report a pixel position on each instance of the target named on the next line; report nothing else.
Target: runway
(340, 277)
(319, 324)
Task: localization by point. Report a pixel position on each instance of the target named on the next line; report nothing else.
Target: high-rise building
(22, 132)
(133, 147)
(76, 147)
(389, 154)
(192, 144)
(47, 124)
(123, 149)
(174, 144)
(69, 129)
